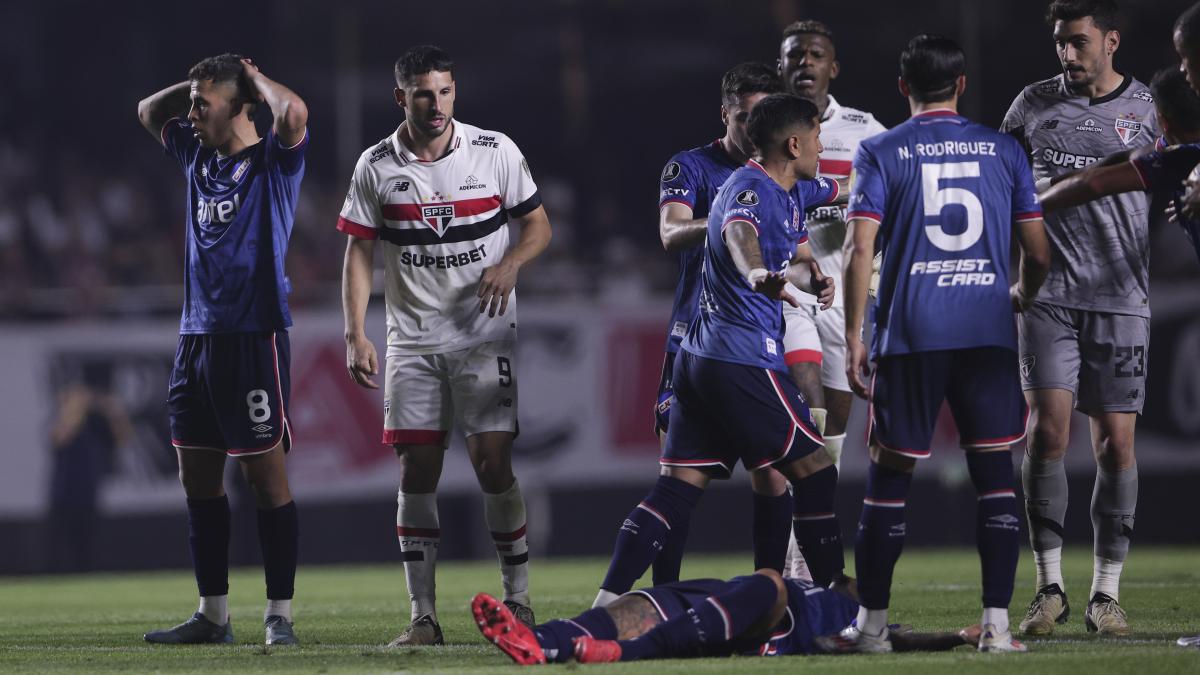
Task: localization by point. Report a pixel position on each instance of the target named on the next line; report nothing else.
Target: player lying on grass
(760, 614)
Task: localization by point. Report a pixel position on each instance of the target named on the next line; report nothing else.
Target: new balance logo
(1049, 124)
(401, 186)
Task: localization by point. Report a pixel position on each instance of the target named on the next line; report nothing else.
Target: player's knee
(768, 482)
(1047, 441)
(1114, 451)
(892, 460)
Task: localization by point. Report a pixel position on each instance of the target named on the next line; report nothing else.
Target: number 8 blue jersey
(945, 192)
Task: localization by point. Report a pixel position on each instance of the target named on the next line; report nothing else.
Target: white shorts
(815, 336)
(474, 389)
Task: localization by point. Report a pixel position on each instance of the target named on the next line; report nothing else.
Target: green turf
(94, 623)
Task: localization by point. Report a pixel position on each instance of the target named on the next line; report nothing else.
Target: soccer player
(814, 349)
(761, 614)
(689, 183)
(440, 193)
(944, 196)
(1084, 343)
(230, 385)
(730, 402)
(1161, 168)
(1186, 37)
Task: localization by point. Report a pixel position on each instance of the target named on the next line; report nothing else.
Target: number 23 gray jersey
(1099, 256)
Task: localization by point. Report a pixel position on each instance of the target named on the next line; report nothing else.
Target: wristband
(755, 275)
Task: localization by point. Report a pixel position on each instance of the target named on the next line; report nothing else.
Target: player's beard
(1080, 85)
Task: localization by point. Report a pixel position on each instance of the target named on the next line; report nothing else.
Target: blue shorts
(676, 598)
(725, 412)
(662, 402)
(230, 392)
(982, 385)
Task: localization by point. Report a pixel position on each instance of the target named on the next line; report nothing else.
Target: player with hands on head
(230, 385)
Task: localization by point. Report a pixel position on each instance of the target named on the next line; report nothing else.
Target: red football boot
(590, 650)
(503, 629)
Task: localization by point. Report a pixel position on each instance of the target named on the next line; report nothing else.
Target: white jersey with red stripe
(444, 222)
(842, 129)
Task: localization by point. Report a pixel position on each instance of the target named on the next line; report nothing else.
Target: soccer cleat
(590, 650)
(423, 631)
(523, 613)
(1105, 616)
(280, 631)
(498, 624)
(1049, 607)
(197, 630)
(853, 641)
(994, 641)
(1189, 641)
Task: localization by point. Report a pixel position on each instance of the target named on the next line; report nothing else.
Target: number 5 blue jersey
(735, 323)
(945, 192)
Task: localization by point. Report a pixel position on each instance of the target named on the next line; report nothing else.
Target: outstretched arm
(742, 241)
(499, 279)
(1092, 183)
(157, 108)
(288, 110)
(805, 274)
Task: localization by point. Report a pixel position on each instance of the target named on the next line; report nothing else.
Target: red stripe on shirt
(462, 208)
(354, 229)
(835, 167)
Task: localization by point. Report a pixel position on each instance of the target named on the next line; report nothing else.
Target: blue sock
(710, 627)
(997, 525)
(645, 531)
(208, 539)
(818, 532)
(881, 531)
(555, 637)
(772, 530)
(279, 538)
(669, 560)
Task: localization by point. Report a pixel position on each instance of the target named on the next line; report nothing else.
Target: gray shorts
(1099, 357)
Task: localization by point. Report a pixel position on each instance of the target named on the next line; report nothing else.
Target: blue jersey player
(1161, 169)
(943, 196)
(689, 184)
(760, 614)
(733, 399)
(229, 388)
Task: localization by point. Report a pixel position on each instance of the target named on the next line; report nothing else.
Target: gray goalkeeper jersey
(1099, 256)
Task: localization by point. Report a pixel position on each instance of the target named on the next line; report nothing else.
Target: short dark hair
(750, 77)
(1188, 27)
(226, 68)
(809, 26)
(931, 65)
(776, 114)
(1175, 99)
(1104, 13)
(420, 60)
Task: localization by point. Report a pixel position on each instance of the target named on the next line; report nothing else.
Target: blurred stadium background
(598, 94)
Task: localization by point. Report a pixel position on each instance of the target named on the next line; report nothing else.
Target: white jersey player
(440, 193)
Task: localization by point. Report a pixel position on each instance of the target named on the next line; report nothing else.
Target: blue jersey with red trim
(734, 323)
(1164, 172)
(692, 179)
(240, 211)
(812, 611)
(945, 192)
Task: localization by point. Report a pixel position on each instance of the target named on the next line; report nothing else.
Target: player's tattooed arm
(678, 230)
(742, 241)
(633, 615)
(156, 109)
(859, 253)
(1091, 183)
(497, 281)
(288, 110)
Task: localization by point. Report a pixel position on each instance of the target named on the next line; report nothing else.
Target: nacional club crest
(438, 216)
(1128, 127)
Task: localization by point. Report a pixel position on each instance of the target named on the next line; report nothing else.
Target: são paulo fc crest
(670, 172)
(438, 216)
(1128, 127)
(747, 197)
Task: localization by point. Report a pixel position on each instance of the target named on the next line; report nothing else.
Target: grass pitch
(344, 615)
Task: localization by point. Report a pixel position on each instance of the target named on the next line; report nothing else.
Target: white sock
(1049, 568)
(604, 599)
(997, 616)
(215, 608)
(833, 446)
(795, 566)
(505, 516)
(1106, 577)
(419, 533)
(279, 608)
(872, 622)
